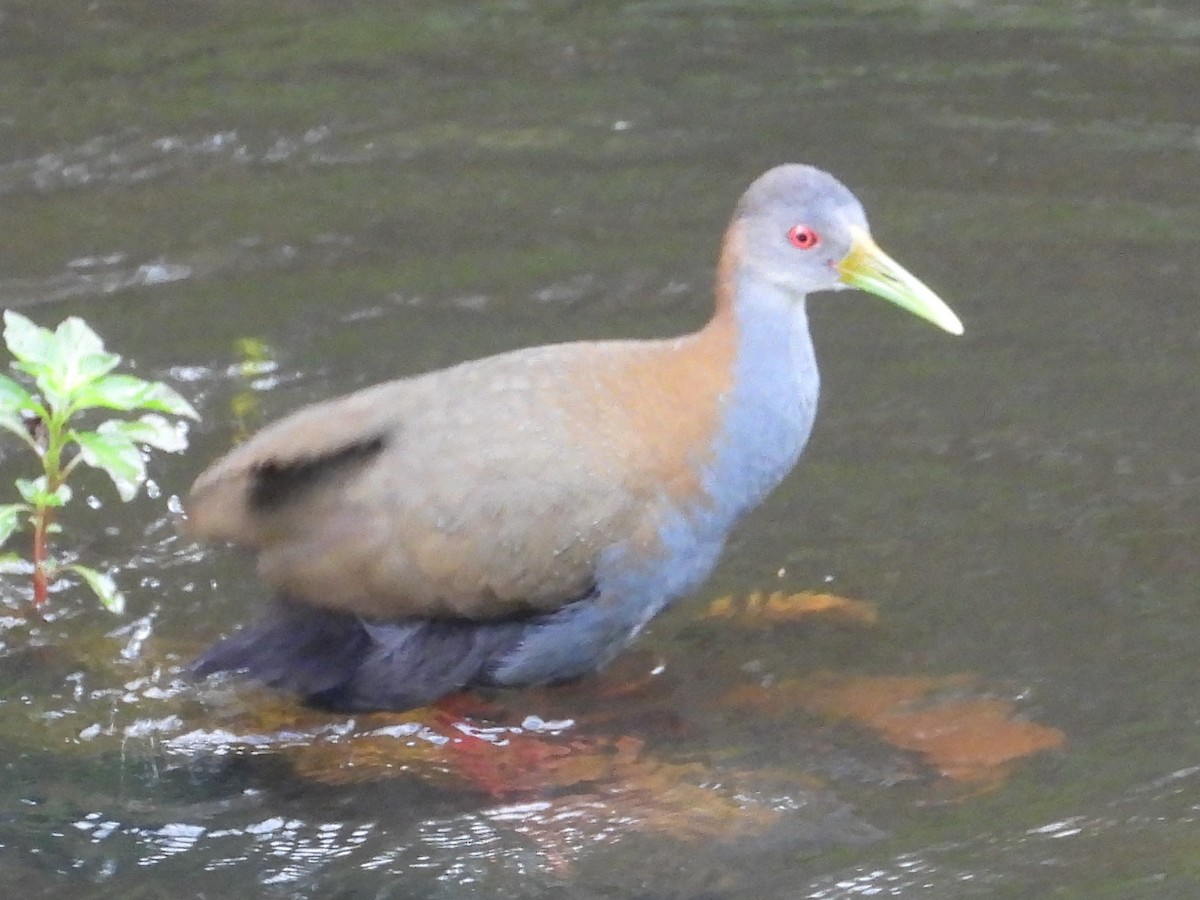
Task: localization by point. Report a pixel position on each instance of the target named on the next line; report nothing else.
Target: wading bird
(516, 520)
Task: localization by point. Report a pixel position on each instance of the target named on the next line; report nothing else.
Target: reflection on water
(301, 796)
(272, 206)
(536, 795)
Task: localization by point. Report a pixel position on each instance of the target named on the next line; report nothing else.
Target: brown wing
(477, 491)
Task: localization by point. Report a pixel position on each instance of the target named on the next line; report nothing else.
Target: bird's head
(801, 229)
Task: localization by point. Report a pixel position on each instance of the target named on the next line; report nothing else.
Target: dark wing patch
(275, 483)
(339, 661)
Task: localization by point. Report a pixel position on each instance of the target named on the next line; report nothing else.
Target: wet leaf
(29, 343)
(11, 421)
(14, 399)
(102, 586)
(18, 408)
(151, 430)
(34, 492)
(73, 338)
(244, 406)
(256, 355)
(128, 392)
(115, 455)
(79, 357)
(123, 392)
(760, 608)
(62, 362)
(96, 365)
(10, 519)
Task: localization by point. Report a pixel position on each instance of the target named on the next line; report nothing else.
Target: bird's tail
(340, 661)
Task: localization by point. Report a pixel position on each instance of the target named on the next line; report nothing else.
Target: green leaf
(15, 404)
(10, 519)
(127, 392)
(102, 586)
(29, 343)
(96, 365)
(13, 422)
(35, 494)
(13, 564)
(165, 399)
(75, 339)
(31, 490)
(79, 358)
(50, 382)
(152, 430)
(122, 392)
(256, 357)
(14, 398)
(117, 456)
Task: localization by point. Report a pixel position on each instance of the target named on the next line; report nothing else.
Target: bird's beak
(870, 269)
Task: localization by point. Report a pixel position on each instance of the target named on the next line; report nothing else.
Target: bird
(517, 520)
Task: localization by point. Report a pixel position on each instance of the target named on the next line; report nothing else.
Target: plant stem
(41, 588)
(52, 466)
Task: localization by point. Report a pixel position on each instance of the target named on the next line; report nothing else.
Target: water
(377, 190)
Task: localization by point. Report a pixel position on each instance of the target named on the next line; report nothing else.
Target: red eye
(802, 237)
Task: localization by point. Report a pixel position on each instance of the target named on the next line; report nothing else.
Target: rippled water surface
(375, 189)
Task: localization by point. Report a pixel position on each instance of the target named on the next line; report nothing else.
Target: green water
(375, 189)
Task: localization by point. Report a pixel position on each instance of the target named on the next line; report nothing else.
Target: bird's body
(516, 520)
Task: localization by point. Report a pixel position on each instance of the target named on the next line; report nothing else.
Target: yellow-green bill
(870, 269)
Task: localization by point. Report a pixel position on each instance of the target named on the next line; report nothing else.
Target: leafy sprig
(69, 373)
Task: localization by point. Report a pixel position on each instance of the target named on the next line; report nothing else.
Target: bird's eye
(802, 237)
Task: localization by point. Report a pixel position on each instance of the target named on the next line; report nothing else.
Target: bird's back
(480, 491)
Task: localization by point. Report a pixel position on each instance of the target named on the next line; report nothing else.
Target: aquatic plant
(69, 373)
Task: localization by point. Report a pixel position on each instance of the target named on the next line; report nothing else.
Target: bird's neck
(768, 412)
(729, 408)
